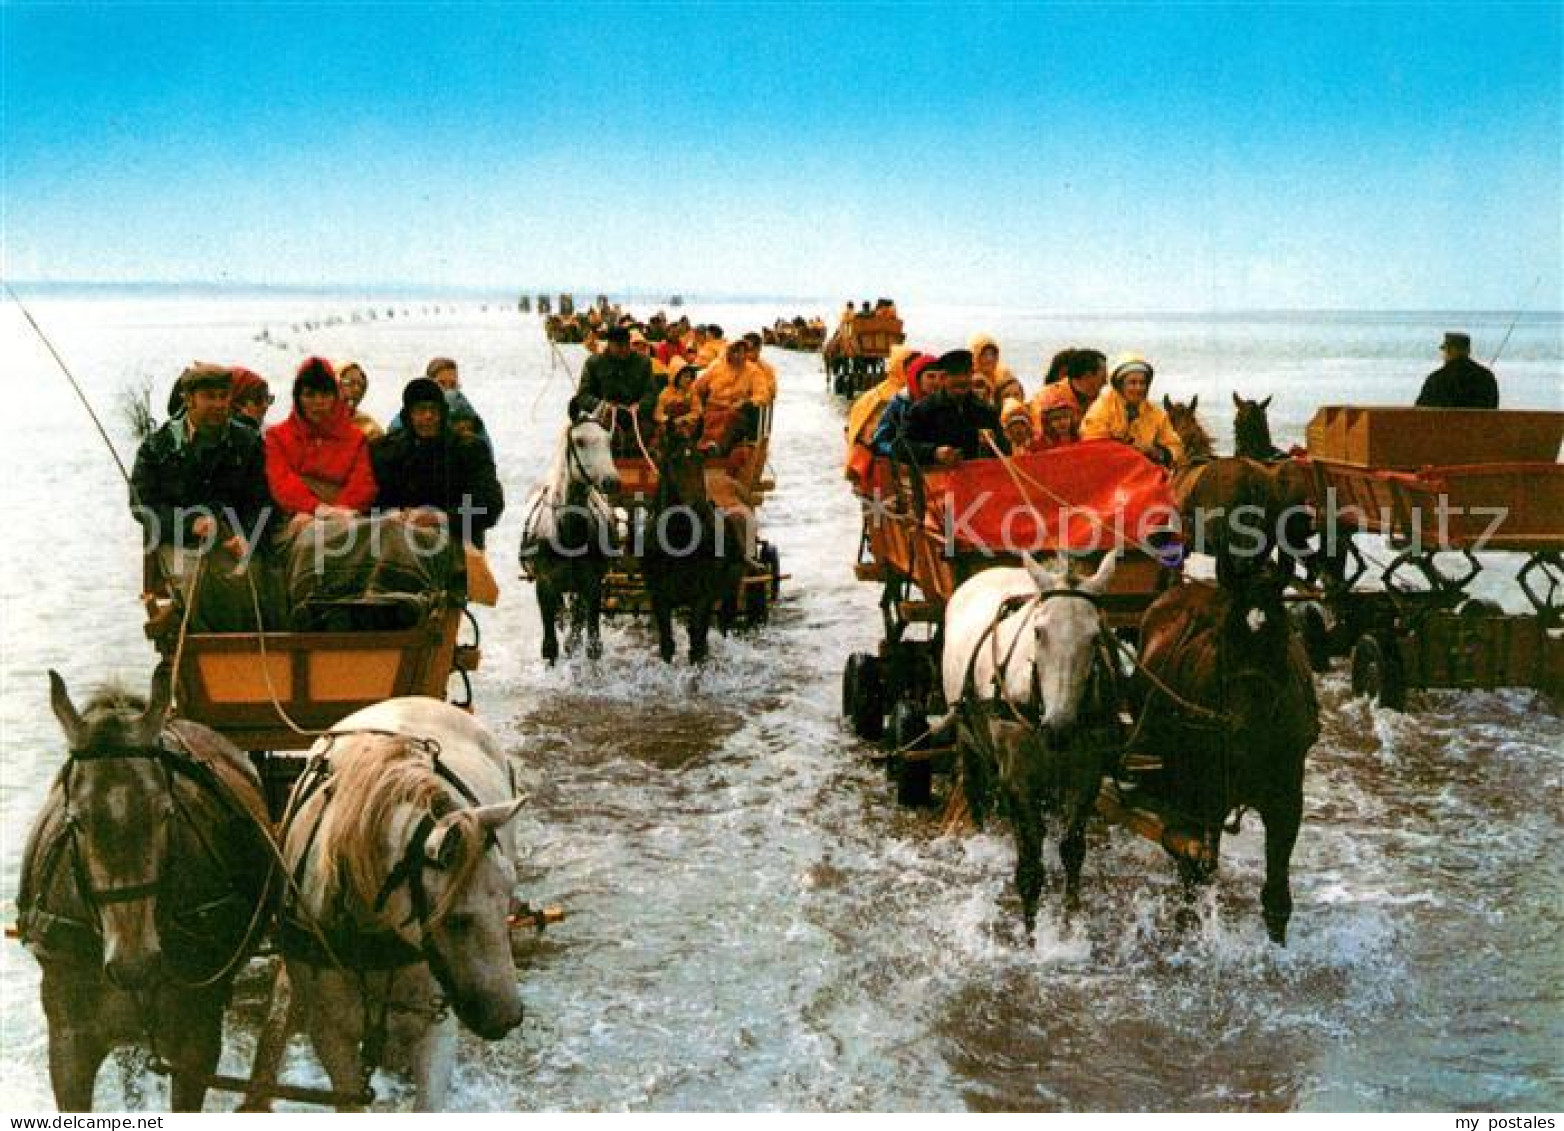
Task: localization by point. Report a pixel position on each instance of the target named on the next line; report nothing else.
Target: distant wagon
(1437, 484)
(855, 355)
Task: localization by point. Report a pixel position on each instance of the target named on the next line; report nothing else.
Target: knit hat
(1128, 363)
(422, 390)
(248, 386)
(956, 361)
(1013, 410)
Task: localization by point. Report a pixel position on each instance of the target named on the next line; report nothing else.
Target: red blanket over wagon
(1079, 497)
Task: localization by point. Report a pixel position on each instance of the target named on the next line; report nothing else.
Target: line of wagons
(1437, 486)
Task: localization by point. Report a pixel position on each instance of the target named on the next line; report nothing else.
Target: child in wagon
(677, 410)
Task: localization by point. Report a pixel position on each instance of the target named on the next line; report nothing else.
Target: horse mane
(370, 783)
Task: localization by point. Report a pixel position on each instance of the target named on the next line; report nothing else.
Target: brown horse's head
(1252, 431)
(1198, 446)
(119, 803)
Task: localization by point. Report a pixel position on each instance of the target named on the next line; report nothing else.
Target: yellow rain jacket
(1109, 419)
(867, 409)
(1005, 383)
(766, 388)
(722, 384)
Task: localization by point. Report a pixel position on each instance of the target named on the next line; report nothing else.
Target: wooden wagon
(1437, 484)
(271, 693)
(917, 548)
(736, 483)
(855, 356)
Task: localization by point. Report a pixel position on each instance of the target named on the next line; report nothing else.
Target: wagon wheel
(1313, 630)
(1377, 674)
(914, 775)
(863, 699)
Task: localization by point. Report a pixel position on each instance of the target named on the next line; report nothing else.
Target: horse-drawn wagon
(927, 531)
(1437, 484)
(856, 353)
(644, 533)
(273, 692)
(736, 483)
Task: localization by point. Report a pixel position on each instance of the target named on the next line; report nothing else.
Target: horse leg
(1281, 821)
(548, 608)
(201, 1042)
(1072, 854)
(700, 626)
(77, 1045)
(592, 600)
(336, 1011)
(432, 1065)
(74, 1058)
(1026, 817)
(662, 613)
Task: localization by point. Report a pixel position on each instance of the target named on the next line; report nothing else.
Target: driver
(618, 386)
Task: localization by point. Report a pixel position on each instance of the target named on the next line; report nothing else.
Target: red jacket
(336, 455)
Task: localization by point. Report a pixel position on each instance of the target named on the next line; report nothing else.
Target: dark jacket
(1460, 383)
(439, 473)
(941, 421)
(227, 477)
(622, 380)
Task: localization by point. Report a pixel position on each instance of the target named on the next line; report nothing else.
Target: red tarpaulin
(1079, 497)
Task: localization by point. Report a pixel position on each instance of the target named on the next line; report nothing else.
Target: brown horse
(1230, 653)
(145, 884)
(692, 552)
(1239, 509)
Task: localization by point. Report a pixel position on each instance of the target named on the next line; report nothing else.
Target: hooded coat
(866, 412)
(447, 472)
(307, 466)
(1005, 383)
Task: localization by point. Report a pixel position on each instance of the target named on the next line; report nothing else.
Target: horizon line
(642, 294)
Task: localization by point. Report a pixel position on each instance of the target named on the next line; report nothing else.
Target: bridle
(94, 897)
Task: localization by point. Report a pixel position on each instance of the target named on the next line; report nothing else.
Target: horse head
(119, 805)
(399, 847)
(467, 936)
(1065, 625)
(1198, 446)
(591, 457)
(1252, 431)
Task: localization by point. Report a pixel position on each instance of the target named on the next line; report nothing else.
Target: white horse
(403, 857)
(569, 532)
(1020, 644)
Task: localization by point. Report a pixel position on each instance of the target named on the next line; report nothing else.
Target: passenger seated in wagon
(731, 393)
(435, 475)
(199, 492)
(923, 379)
(1085, 372)
(864, 417)
(949, 426)
(618, 384)
(677, 409)
(1125, 412)
(1020, 432)
(341, 569)
(992, 381)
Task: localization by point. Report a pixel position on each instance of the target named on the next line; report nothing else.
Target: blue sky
(1063, 156)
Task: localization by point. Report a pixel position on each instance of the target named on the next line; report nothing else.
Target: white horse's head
(399, 849)
(589, 457)
(1065, 625)
(467, 940)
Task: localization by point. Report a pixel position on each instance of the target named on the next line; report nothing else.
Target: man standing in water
(199, 491)
(1460, 382)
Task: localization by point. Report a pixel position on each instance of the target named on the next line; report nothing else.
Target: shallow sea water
(753, 923)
